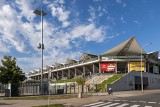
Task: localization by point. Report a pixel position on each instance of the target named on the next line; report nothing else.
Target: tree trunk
(80, 91)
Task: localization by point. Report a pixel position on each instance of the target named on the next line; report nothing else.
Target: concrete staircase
(97, 79)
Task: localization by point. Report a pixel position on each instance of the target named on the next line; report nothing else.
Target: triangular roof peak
(86, 56)
(68, 61)
(58, 64)
(153, 55)
(127, 48)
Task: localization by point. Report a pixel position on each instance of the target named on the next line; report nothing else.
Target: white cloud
(124, 4)
(96, 12)
(56, 55)
(65, 24)
(3, 47)
(122, 20)
(20, 30)
(61, 1)
(89, 32)
(3, 2)
(26, 8)
(118, 1)
(92, 13)
(8, 21)
(60, 13)
(137, 22)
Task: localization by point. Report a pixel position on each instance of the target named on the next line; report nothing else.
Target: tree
(10, 72)
(80, 81)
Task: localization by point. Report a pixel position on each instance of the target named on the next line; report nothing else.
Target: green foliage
(10, 72)
(102, 86)
(69, 80)
(81, 81)
(113, 79)
(54, 97)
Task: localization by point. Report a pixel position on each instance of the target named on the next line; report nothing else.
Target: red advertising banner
(108, 67)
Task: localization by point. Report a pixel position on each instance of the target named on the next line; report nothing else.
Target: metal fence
(33, 88)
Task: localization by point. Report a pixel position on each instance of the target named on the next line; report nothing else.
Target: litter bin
(7, 92)
(60, 91)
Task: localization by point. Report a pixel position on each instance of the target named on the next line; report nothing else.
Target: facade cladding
(126, 57)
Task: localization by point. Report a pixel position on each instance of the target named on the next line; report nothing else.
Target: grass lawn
(102, 86)
(44, 97)
(68, 80)
(52, 105)
(113, 79)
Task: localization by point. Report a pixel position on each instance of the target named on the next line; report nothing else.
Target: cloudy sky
(72, 27)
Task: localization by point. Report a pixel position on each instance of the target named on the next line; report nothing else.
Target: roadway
(150, 98)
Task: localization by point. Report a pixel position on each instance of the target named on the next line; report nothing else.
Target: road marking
(124, 100)
(117, 100)
(94, 104)
(147, 106)
(133, 101)
(135, 106)
(102, 104)
(142, 101)
(110, 100)
(111, 105)
(152, 102)
(123, 105)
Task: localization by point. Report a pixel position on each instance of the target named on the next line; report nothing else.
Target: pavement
(76, 102)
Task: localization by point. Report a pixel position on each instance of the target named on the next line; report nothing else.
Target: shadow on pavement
(4, 104)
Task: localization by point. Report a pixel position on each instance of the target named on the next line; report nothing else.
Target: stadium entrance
(122, 67)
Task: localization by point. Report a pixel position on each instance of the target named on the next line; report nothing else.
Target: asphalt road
(141, 100)
(150, 98)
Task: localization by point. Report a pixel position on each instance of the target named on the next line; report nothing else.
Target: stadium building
(128, 57)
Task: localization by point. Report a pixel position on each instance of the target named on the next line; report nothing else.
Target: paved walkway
(75, 102)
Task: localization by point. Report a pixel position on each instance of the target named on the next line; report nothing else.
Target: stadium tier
(126, 57)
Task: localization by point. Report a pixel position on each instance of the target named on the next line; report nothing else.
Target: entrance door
(122, 67)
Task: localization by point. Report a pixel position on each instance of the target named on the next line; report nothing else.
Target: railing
(79, 62)
(120, 57)
(69, 65)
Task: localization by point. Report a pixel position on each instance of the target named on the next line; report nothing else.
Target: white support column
(75, 71)
(62, 74)
(84, 71)
(144, 66)
(148, 67)
(57, 75)
(49, 75)
(52, 75)
(93, 69)
(128, 66)
(116, 67)
(69, 73)
(99, 67)
(99, 64)
(38, 77)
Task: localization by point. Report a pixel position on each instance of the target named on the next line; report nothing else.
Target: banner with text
(108, 67)
(136, 66)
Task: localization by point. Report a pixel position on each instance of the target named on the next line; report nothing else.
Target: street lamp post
(41, 46)
(141, 68)
(49, 81)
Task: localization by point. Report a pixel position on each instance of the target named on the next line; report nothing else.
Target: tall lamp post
(41, 45)
(49, 81)
(141, 67)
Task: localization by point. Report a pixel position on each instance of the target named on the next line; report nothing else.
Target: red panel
(108, 67)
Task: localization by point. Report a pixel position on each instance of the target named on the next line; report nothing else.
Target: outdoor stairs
(97, 79)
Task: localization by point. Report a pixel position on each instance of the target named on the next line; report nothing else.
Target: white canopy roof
(129, 47)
